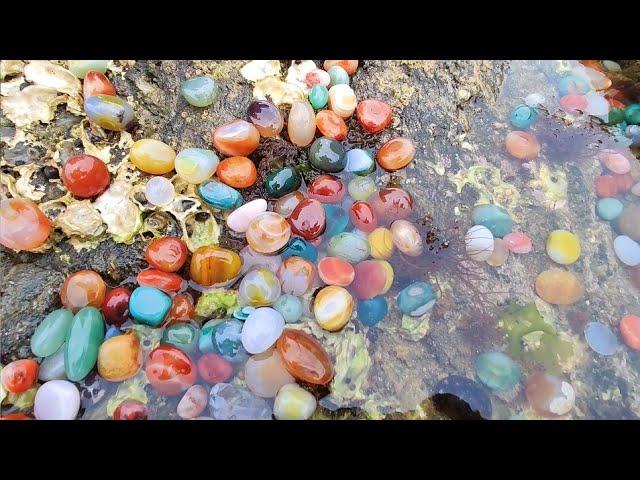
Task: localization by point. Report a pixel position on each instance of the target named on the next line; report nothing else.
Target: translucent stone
(617, 161)
(391, 204)
(159, 191)
(236, 138)
(268, 233)
(332, 308)
(213, 368)
(500, 253)
(406, 238)
(241, 217)
(369, 280)
(360, 162)
(109, 112)
(80, 68)
(153, 156)
(195, 165)
(200, 91)
(95, 83)
(317, 77)
(349, 246)
(518, 242)
(261, 329)
(23, 226)
(549, 395)
(601, 338)
(301, 124)
(82, 289)
(374, 115)
(167, 254)
(318, 96)
(331, 125)
(497, 371)
(211, 265)
(294, 403)
(336, 271)
(169, 370)
(361, 188)
(304, 357)
(338, 76)
(193, 402)
(559, 287)
(308, 219)
(85, 176)
(52, 367)
(230, 402)
(281, 182)
(326, 189)
(336, 218)
(286, 204)
(342, 100)
(259, 288)
(297, 275)
(266, 117)
(597, 105)
(266, 373)
(479, 243)
(57, 400)
(84, 337)
(290, 307)
(327, 155)
(251, 259)
(51, 333)
(119, 358)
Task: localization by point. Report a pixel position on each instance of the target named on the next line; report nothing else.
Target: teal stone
(497, 371)
(289, 306)
(200, 91)
(609, 208)
(82, 343)
(338, 76)
(494, 218)
(616, 116)
(149, 306)
(51, 333)
(522, 116)
(181, 335)
(349, 246)
(336, 219)
(227, 338)
(373, 311)
(242, 313)
(206, 340)
(327, 155)
(573, 84)
(416, 299)
(299, 247)
(80, 68)
(318, 96)
(218, 195)
(282, 181)
(360, 162)
(632, 114)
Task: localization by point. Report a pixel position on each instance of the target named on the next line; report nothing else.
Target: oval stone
(195, 165)
(336, 218)
(327, 155)
(259, 288)
(200, 91)
(51, 333)
(285, 204)
(153, 156)
(236, 138)
(220, 196)
(559, 287)
(119, 358)
(327, 189)
(416, 299)
(193, 402)
(360, 162)
(301, 124)
(349, 246)
(181, 335)
(308, 219)
(609, 208)
(369, 280)
(266, 117)
(374, 115)
(80, 68)
(332, 308)
(304, 357)
(372, 311)
(495, 218)
(241, 217)
(52, 367)
(237, 172)
(268, 233)
(331, 125)
(290, 307)
(265, 373)
(406, 238)
(294, 403)
(318, 96)
(82, 343)
(361, 188)
(109, 112)
(282, 181)
(627, 251)
(336, 271)
(342, 100)
(296, 275)
(261, 329)
(497, 371)
(57, 400)
(211, 265)
(391, 204)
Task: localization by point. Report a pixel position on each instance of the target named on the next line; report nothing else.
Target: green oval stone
(82, 343)
(327, 155)
(51, 333)
(200, 91)
(80, 68)
(616, 116)
(318, 96)
(280, 182)
(497, 371)
(338, 76)
(183, 336)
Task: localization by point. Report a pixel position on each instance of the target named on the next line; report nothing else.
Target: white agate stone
(479, 243)
(261, 329)
(159, 191)
(57, 400)
(294, 403)
(239, 219)
(342, 100)
(52, 367)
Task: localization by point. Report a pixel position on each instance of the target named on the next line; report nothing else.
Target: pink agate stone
(518, 242)
(370, 279)
(239, 219)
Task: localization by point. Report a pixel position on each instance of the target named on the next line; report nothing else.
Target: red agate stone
(19, 376)
(214, 369)
(115, 307)
(85, 176)
(336, 271)
(327, 189)
(308, 219)
(606, 186)
(370, 279)
(23, 226)
(374, 115)
(518, 242)
(363, 217)
(167, 282)
(131, 410)
(82, 289)
(331, 125)
(236, 138)
(397, 153)
(304, 357)
(391, 204)
(574, 103)
(96, 83)
(182, 308)
(167, 254)
(169, 370)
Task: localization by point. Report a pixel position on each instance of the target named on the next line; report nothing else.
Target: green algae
(352, 368)
(487, 181)
(217, 301)
(131, 389)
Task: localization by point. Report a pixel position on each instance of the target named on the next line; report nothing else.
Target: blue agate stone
(219, 195)
(416, 299)
(609, 208)
(522, 116)
(601, 338)
(573, 84)
(496, 219)
(290, 307)
(497, 371)
(372, 311)
(337, 220)
(299, 247)
(149, 305)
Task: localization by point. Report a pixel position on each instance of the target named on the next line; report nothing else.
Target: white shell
(479, 243)
(261, 329)
(57, 400)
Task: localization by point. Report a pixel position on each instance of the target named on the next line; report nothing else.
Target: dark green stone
(327, 155)
(83, 341)
(280, 182)
(616, 116)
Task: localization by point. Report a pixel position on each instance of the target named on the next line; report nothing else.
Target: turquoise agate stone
(338, 76)
(290, 307)
(200, 91)
(219, 195)
(496, 219)
(299, 247)
(318, 96)
(149, 305)
(181, 335)
(497, 371)
(337, 220)
(416, 299)
(371, 312)
(522, 116)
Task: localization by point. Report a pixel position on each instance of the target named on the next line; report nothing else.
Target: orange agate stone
(630, 330)
(237, 172)
(211, 265)
(23, 226)
(182, 308)
(350, 66)
(165, 281)
(522, 145)
(396, 154)
(96, 83)
(304, 357)
(82, 289)
(336, 271)
(167, 254)
(374, 115)
(331, 125)
(236, 138)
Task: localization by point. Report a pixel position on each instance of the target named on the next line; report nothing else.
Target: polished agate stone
(495, 218)
(349, 246)
(237, 172)
(522, 116)
(301, 124)
(80, 68)
(219, 195)
(182, 335)
(290, 307)
(360, 162)
(159, 191)
(559, 287)
(287, 203)
(337, 220)
(361, 188)
(19, 375)
(518, 242)
(406, 238)
(318, 96)
(391, 204)
(119, 358)
(396, 154)
(96, 83)
(630, 331)
(479, 243)
(349, 66)
(563, 247)
(84, 337)
(549, 395)
(338, 76)
(374, 115)
(241, 217)
(265, 373)
(327, 155)
(294, 403)
(342, 100)
(109, 112)
(363, 217)
(152, 156)
(51, 333)
(522, 145)
(165, 281)
(82, 289)
(214, 369)
(500, 253)
(52, 367)
(282, 182)
(497, 371)
(115, 307)
(416, 299)
(259, 288)
(266, 117)
(327, 189)
(296, 275)
(200, 91)
(317, 77)
(251, 259)
(369, 280)
(381, 243)
(627, 250)
(601, 338)
(131, 410)
(236, 138)
(167, 254)
(23, 226)
(372, 311)
(332, 308)
(193, 402)
(211, 265)
(261, 329)
(268, 233)
(308, 219)
(304, 357)
(169, 370)
(149, 305)
(195, 165)
(57, 400)
(331, 125)
(301, 248)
